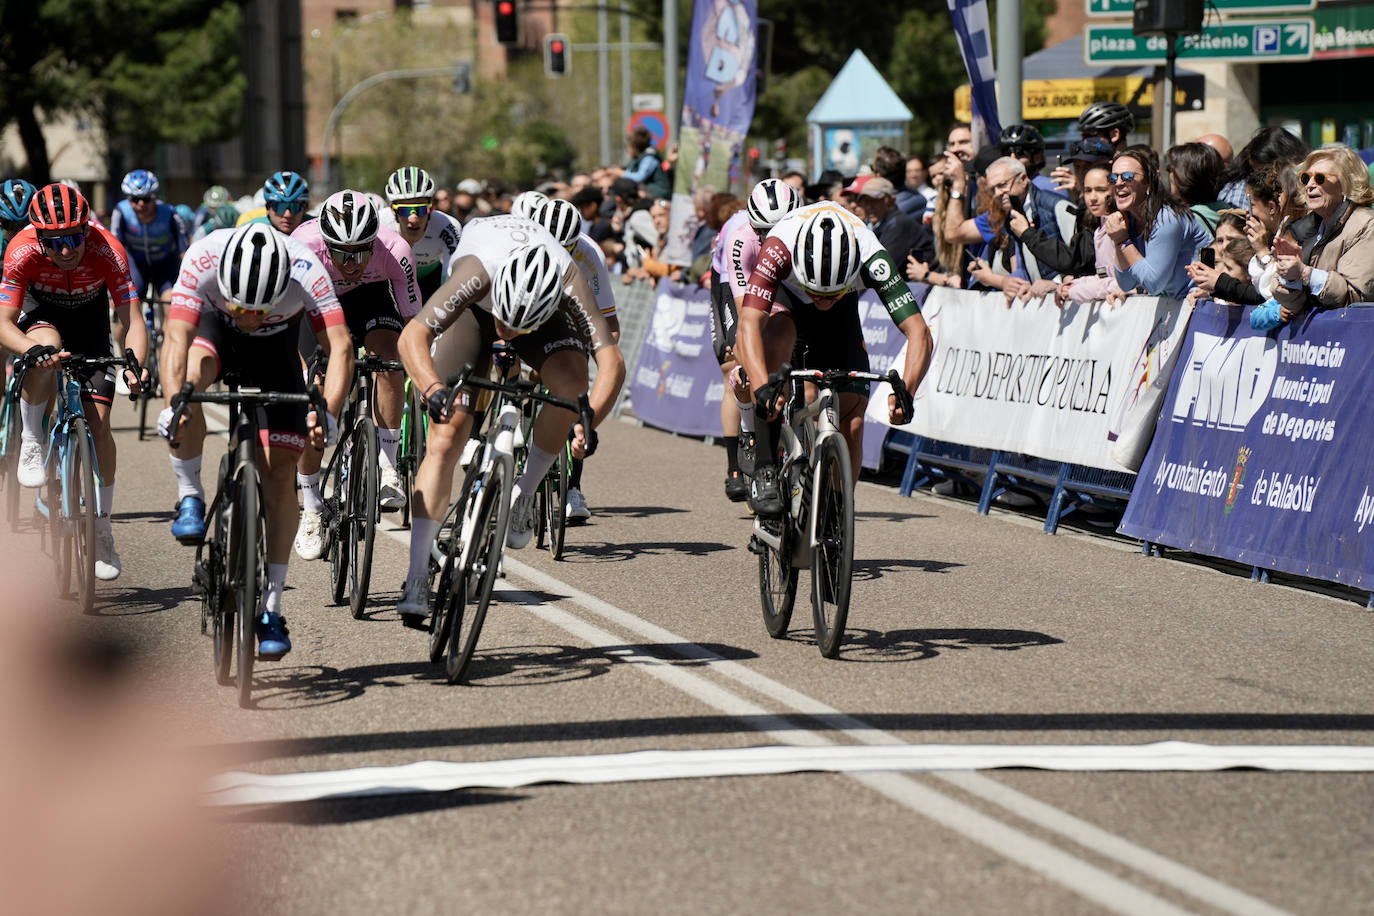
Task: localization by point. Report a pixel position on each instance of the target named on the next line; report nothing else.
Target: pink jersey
(736, 252)
(391, 262)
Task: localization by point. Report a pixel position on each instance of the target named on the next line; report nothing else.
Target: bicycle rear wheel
(777, 582)
(246, 566)
(81, 493)
(556, 506)
(470, 599)
(832, 560)
(361, 523)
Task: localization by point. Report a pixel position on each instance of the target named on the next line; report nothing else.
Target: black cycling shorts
(468, 341)
(833, 339)
(84, 332)
(269, 362)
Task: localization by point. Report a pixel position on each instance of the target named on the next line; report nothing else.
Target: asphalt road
(964, 630)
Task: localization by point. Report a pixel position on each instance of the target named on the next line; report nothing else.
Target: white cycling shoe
(414, 604)
(107, 565)
(521, 527)
(575, 510)
(390, 496)
(310, 536)
(31, 463)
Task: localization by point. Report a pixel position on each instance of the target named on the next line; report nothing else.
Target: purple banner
(677, 384)
(1261, 454)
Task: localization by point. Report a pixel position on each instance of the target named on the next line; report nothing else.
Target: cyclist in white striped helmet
(804, 290)
(238, 301)
(431, 233)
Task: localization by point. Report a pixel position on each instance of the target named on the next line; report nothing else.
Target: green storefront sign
(1343, 31)
(1263, 7)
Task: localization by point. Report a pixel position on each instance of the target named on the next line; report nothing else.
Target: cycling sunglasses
(816, 294)
(72, 240)
(1118, 177)
(144, 199)
(284, 208)
(406, 211)
(344, 256)
(1319, 177)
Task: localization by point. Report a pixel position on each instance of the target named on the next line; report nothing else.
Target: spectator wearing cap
(465, 200)
(899, 234)
(891, 165)
(1083, 154)
(644, 165)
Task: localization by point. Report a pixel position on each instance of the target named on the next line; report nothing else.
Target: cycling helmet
(15, 195)
(348, 218)
(57, 207)
(216, 196)
(826, 258)
(139, 183)
(285, 188)
(255, 267)
(770, 201)
(225, 217)
(409, 183)
(526, 289)
(71, 183)
(1022, 135)
(1105, 116)
(526, 204)
(562, 220)
(188, 216)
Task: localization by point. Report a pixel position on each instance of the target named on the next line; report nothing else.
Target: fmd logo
(1225, 381)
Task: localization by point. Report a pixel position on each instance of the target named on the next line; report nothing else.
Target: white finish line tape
(237, 788)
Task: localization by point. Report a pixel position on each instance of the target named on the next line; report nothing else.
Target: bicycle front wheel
(832, 560)
(361, 523)
(246, 565)
(153, 388)
(11, 467)
(219, 604)
(80, 488)
(443, 600)
(338, 493)
(556, 506)
(777, 582)
(479, 576)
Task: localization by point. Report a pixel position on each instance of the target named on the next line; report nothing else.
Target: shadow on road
(330, 811)
(131, 601)
(917, 645)
(636, 511)
(889, 515)
(868, 570)
(607, 552)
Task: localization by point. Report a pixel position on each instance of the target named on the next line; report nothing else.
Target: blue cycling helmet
(139, 183)
(15, 195)
(188, 216)
(285, 188)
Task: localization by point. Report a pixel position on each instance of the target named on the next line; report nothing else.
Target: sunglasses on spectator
(1118, 177)
(1026, 151)
(282, 208)
(1319, 177)
(71, 240)
(349, 255)
(406, 211)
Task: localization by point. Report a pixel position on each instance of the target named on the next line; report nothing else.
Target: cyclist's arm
(774, 263)
(114, 267)
(177, 334)
(610, 362)
(13, 286)
(117, 223)
(467, 284)
(338, 376)
(881, 275)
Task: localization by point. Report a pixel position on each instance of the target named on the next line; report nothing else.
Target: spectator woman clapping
(1153, 235)
(1098, 203)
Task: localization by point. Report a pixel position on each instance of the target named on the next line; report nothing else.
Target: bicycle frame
(801, 436)
(68, 409)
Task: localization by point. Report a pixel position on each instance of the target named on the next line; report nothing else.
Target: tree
(149, 71)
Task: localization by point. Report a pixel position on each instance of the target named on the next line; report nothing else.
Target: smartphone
(1060, 159)
(1208, 256)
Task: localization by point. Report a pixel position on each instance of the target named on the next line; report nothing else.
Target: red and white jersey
(103, 271)
(391, 262)
(310, 289)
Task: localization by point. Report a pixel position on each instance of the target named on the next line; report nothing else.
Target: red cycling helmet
(57, 207)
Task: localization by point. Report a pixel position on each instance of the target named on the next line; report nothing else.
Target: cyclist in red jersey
(60, 274)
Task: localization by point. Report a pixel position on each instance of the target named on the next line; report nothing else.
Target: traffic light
(557, 54)
(507, 25)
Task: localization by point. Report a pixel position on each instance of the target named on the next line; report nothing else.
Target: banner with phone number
(1261, 454)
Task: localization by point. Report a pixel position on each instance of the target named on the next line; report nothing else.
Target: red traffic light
(557, 61)
(556, 47)
(505, 8)
(507, 26)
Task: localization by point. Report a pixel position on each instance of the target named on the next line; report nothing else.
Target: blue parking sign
(1268, 39)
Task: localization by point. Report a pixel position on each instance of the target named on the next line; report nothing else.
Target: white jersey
(436, 246)
(788, 229)
(589, 258)
(491, 240)
(310, 290)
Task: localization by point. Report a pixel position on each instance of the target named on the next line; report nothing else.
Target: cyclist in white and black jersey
(509, 280)
(431, 233)
(564, 223)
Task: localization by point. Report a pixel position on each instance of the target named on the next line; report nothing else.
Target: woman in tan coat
(1328, 262)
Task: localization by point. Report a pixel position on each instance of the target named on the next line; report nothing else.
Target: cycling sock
(536, 466)
(187, 471)
(731, 454)
(310, 491)
(276, 583)
(388, 440)
(422, 532)
(102, 521)
(746, 417)
(33, 415)
(575, 477)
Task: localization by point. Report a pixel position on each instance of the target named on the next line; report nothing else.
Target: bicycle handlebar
(829, 378)
(188, 395)
(77, 361)
(319, 362)
(524, 389)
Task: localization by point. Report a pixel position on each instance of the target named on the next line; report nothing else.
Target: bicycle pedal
(755, 547)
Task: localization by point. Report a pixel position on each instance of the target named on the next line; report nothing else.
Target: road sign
(652, 121)
(1127, 7)
(646, 101)
(1236, 40)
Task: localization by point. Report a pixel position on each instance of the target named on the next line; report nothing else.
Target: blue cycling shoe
(189, 525)
(274, 640)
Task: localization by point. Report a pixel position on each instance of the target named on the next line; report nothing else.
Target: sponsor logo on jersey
(879, 268)
(189, 280)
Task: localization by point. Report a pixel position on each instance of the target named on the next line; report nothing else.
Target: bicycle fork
(501, 449)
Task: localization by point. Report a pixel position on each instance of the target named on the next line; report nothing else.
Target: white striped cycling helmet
(348, 218)
(526, 204)
(255, 267)
(526, 289)
(562, 220)
(826, 257)
(409, 183)
(770, 201)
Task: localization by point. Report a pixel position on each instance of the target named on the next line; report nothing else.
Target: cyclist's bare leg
(98, 419)
(38, 383)
(276, 469)
(434, 479)
(850, 416)
(390, 387)
(564, 373)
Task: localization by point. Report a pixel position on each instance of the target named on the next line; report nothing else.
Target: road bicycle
(231, 562)
(11, 424)
(816, 527)
(551, 500)
(350, 489)
(153, 316)
(411, 451)
(68, 502)
(467, 553)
